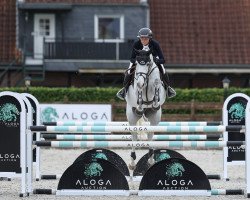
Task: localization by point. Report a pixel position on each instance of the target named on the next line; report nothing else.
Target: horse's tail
(143, 121)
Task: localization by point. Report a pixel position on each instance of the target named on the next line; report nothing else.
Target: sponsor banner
(159, 154)
(236, 116)
(34, 123)
(10, 109)
(93, 174)
(106, 155)
(174, 174)
(75, 112)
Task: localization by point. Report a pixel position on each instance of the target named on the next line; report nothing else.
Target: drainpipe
(145, 3)
(17, 22)
(17, 25)
(148, 17)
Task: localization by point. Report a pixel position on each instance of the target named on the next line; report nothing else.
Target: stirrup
(121, 94)
(170, 92)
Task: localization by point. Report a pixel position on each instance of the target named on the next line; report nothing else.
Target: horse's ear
(137, 51)
(149, 51)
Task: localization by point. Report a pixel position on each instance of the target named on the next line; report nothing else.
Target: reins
(146, 79)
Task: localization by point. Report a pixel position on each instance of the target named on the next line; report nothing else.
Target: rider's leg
(122, 92)
(127, 79)
(170, 91)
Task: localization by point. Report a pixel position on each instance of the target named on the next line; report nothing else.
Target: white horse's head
(144, 64)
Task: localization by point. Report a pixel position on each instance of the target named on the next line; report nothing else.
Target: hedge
(107, 95)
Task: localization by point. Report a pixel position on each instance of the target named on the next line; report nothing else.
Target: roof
(86, 1)
(45, 6)
(8, 50)
(202, 31)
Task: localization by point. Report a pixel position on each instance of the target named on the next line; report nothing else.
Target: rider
(146, 42)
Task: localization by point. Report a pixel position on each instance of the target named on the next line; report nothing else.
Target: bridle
(145, 82)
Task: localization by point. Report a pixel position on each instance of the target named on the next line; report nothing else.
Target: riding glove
(157, 61)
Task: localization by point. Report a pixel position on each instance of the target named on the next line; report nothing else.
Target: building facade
(82, 43)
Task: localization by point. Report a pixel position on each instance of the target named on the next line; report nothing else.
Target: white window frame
(96, 25)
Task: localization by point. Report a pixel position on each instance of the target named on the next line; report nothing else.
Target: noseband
(145, 75)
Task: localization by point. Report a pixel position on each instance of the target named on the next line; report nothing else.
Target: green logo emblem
(33, 110)
(101, 156)
(8, 112)
(162, 156)
(174, 170)
(237, 111)
(49, 114)
(93, 169)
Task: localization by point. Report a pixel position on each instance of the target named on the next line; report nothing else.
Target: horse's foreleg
(151, 160)
(156, 103)
(133, 155)
(140, 101)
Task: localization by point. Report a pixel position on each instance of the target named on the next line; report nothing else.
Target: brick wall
(7, 31)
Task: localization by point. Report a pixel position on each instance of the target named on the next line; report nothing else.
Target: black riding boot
(169, 90)
(122, 92)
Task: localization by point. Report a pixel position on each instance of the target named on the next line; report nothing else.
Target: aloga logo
(49, 114)
(135, 128)
(174, 170)
(33, 110)
(93, 169)
(162, 156)
(237, 111)
(6, 157)
(8, 114)
(92, 172)
(100, 155)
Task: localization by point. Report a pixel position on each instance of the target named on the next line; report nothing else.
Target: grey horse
(144, 98)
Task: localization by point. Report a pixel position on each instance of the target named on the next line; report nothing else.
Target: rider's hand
(157, 61)
(133, 61)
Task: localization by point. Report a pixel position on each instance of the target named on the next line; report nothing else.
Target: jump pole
(137, 144)
(135, 178)
(128, 137)
(116, 123)
(178, 129)
(214, 192)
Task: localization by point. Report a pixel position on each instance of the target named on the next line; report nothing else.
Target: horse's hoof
(139, 113)
(139, 109)
(151, 162)
(131, 167)
(155, 108)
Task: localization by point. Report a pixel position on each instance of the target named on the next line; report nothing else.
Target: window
(44, 27)
(109, 28)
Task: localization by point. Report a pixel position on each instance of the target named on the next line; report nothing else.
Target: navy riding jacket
(153, 45)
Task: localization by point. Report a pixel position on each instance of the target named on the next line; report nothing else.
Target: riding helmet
(145, 32)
